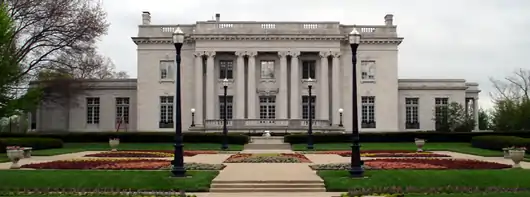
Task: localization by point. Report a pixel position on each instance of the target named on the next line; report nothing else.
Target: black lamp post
(355, 168)
(340, 117)
(178, 159)
(310, 110)
(192, 117)
(225, 114)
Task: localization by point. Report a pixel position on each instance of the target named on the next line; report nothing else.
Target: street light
(340, 117)
(192, 117)
(355, 168)
(178, 160)
(225, 114)
(310, 110)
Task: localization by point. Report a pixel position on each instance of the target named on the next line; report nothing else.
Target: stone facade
(269, 67)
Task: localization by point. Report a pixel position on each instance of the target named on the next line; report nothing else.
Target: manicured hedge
(398, 136)
(494, 142)
(35, 143)
(145, 137)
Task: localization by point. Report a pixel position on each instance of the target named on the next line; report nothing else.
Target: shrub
(430, 136)
(35, 143)
(140, 137)
(494, 142)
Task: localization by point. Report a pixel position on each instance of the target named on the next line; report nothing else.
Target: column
(251, 84)
(475, 112)
(295, 85)
(210, 85)
(199, 103)
(240, 86)
(282, 99)
(323, 87)
(335, 88)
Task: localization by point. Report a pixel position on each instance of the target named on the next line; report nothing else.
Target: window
(368, 70)
(122, 110)
(92, 107)
(225, 69)
(411, 113)
(229, 104)
(267, 69)
(267, 107)
(166, 112)
(368, 112)
(305, 107)
(166, 69)
(440, 113)
(308, 69)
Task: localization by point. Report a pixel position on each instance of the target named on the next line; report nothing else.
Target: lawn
(434, 146)
(517, 194)
(78, 147)
(339, 180)
(95, 179)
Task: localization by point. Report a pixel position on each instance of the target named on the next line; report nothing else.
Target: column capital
(241, 53)
(294, 54)
(324, 54)
(336, 54)
(283, 54)
(210, 53)
(251, 53)
(198, 53)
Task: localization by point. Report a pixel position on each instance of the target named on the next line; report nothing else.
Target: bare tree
(512, 102)
(515, 87)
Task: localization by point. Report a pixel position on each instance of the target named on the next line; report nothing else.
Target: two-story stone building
(268, 67)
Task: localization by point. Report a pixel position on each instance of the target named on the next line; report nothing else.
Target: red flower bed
(411, 163)
(267, 158)
(107, 164)
(386, 153)
(147, 153)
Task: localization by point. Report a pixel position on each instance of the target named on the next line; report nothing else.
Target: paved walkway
(270, 194)
(267, 172)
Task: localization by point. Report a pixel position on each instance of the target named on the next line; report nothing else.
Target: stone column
(251, 84)
(240, 85)
(210, 85)
(199, 103)
(323, 87)
(335, 88)
(475, 112)
(282, 99)
(295, 85)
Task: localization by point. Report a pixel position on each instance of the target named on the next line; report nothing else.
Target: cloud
(471, 39)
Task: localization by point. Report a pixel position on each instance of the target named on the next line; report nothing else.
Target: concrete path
(270, 194)
(267, 172)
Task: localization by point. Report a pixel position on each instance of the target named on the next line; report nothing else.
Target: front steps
(267, 143)
(268, 186)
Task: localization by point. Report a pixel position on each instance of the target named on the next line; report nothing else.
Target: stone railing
(249, 28)
(269, 124)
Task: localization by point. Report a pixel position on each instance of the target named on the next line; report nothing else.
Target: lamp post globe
(356, 169)
(178, 160)
(192, 117)
(340, 117)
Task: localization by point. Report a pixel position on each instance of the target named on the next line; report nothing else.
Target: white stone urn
(419, 143)
(517, 155)
(266, 134)
(15, 156)
(114, 144)
(506, 152)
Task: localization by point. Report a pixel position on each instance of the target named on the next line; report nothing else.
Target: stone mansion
(267, 68)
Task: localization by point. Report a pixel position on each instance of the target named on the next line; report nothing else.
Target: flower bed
(147, 153)
(267, 158)
(386, 153)
(119, 164)
(416, 163)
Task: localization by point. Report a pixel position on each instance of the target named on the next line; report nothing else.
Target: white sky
(470, 39)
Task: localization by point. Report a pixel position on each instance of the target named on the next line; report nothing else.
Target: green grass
(96, 179)
(516, 194)
(78, 147)
(336, 180)
(434, 146)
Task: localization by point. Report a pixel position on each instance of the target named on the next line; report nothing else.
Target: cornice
(193, 38)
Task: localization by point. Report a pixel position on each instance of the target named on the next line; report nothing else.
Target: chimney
(217, 17)
(146, 18)
(389, 18)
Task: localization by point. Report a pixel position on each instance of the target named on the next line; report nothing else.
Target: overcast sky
(469, 39)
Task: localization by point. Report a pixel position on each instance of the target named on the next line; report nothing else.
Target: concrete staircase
(267, 143)
(268, 186)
